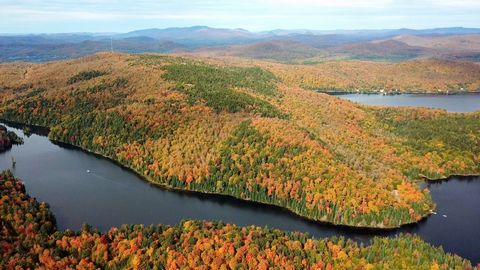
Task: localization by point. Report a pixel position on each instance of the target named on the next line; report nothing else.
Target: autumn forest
(248, 129)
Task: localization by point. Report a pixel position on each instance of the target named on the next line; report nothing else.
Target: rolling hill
(413, 76)
(463, 47)
(453, 43)
(381, 50)
(282, 50)
(237, 129)
(195, 36)
(311, 49)
(44, 50)
(277, 45)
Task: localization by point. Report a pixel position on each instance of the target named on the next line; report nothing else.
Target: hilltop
(243, 129)
(300, 49)
(414, 76)
(283, 50)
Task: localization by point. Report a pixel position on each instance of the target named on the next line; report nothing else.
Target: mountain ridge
(47, 47)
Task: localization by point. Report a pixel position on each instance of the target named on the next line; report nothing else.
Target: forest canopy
(29, 240)
(244, 130)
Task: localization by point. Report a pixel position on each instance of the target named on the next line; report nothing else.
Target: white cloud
(48, 15)
(26, 14)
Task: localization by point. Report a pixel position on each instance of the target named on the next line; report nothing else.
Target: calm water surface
(451, 103)
(110, 196)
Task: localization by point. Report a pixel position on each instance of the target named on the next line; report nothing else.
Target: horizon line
(236, 28)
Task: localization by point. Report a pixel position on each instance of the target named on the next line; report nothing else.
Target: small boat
(88, 171)
(444, 216)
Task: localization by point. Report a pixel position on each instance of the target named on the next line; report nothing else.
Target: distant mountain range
(280, 45)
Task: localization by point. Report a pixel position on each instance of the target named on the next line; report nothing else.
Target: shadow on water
(85, 188)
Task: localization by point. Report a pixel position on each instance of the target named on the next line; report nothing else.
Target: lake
(109, 195)
(451, 103)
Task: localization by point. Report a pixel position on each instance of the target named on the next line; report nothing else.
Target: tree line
(29, 240)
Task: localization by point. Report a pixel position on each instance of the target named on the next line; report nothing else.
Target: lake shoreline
(455, 103)
(265, 215)
(49, 232)
(43, 131)
(221, 195)
(426, 93)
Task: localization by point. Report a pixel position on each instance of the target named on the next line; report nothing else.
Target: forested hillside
(415, 76)
(341, 75)
(246, 131)
(29, 240)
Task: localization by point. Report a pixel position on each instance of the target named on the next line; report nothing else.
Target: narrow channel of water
(83, 188)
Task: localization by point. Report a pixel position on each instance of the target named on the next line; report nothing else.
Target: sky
(57, 16)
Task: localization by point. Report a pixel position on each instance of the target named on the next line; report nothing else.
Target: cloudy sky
(54, 16)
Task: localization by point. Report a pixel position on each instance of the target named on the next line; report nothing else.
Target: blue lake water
(451, 103)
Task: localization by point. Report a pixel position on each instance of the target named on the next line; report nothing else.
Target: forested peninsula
(212, 126)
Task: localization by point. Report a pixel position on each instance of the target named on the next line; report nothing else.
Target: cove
(84, 188)
(452, 103)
